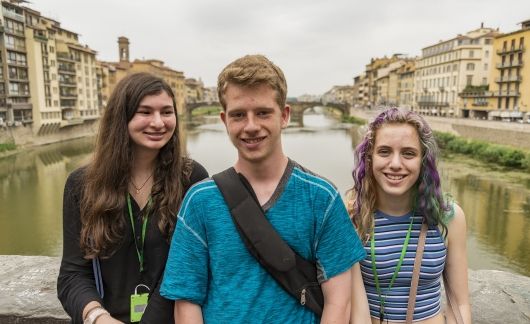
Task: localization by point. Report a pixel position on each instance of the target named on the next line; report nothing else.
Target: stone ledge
(28, 290)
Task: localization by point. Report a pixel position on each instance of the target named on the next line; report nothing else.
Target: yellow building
(406, 85)
(115, 71)
(509, 91)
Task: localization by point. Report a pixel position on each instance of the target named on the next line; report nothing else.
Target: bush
(353, 120)
(7, 147)
(486, 152)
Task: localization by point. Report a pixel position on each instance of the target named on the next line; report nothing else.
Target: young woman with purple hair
(397, 189)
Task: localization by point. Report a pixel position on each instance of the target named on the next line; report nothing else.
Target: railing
(15, 62)
(515, 78)
(14, 31)
(508, 65)
(65, 57)
(21, 48)
(434, 103)
(512, 49)
(13, 15)
(66, 70)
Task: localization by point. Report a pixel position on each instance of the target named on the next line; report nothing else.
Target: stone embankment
(28, 290)
(505, 133)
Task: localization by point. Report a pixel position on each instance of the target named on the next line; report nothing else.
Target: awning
(516, 114)
(505, 114)
(494, 114)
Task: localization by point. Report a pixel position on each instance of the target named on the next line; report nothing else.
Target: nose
(251, 124)
(395, 161)
(157, 121)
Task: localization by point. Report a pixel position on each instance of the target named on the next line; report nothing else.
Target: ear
(286, 115)
(222, 114)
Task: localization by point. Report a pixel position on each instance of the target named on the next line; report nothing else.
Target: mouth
(254, 140)
(155, 134)
(394, 177)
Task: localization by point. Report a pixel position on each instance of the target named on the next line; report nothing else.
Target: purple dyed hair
(429, 199)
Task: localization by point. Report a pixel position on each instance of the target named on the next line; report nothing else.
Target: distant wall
(28, 290)
(24, 136)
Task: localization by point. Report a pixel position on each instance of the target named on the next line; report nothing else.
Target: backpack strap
(296, 275)
(252, 223)
(416, 273)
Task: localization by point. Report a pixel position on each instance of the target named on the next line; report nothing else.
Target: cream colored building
(509, 90)
(51, 76)
(118, 70)
(445, 69)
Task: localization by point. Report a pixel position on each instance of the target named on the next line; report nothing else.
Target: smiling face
(396, 161)
(153, 123)
(254, 122)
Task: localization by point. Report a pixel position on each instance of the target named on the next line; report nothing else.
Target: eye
(263, 113)
(409, 154)
(383, 151)
(237, 115)
(143, 112)
(168, 112)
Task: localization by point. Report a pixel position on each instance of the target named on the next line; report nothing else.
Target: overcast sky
(318, 44)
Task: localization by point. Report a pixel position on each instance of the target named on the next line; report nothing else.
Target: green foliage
(7, 147)
(353, 120)
(491, 153)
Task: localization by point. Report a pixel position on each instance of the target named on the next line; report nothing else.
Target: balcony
(433, 103)
(511, 93)
(61, 56)
(68, 84)
(509, 65)
(515, 78)
(41, 38)
(14, 32)
(66, 70)
(16, 47)
(511, 50)
(18, 63)
(13, 15)
(68, 96)
(18, 93)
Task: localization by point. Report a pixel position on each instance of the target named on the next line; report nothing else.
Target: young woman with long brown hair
(119, 211)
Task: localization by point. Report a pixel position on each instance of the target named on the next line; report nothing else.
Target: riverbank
(28, 286)
(508, 156)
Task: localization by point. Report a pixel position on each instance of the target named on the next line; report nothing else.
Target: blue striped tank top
(389, 237)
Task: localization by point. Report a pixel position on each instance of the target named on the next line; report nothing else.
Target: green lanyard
(140, 252)
(398, 267)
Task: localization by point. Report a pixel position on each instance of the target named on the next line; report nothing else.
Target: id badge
(138, 305)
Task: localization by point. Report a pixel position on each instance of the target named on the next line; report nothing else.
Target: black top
(121, 273)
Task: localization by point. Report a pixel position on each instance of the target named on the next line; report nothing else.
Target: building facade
(509, 90)
(445, 69)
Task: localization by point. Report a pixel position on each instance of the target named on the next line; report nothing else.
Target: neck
(394, 206)
(143, 162)
(270, 170)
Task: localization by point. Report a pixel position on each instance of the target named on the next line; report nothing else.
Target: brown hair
(250, 71)
(107, 176)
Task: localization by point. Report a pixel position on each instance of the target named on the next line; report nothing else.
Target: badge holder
(138, 304)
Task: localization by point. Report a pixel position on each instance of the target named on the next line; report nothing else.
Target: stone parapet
(28, 290)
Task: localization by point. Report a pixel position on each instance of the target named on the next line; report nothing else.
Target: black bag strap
(295, 274)
(252, 223)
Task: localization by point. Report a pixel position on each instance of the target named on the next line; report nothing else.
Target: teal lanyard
(140, 251)
(398, 267)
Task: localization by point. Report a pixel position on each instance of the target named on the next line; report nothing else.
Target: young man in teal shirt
(210, 273)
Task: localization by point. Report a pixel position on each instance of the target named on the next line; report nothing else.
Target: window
(485, 66)
(469, 79)
(470, 66)
(486, 53)
(471, 54)
(484, 81)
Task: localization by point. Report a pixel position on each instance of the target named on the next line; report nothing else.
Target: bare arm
(187, 313)
(103, 319)
(456, 266)
(360, 313)
(337, 298)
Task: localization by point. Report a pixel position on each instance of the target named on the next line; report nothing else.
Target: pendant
(137, 191)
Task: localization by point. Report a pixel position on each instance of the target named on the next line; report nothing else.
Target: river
(496, 201)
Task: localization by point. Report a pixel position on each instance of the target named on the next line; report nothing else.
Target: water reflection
(497, 210)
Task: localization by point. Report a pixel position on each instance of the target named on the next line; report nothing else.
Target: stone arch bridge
(297, 108)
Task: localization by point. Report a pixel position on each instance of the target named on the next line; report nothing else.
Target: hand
(107, 319)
